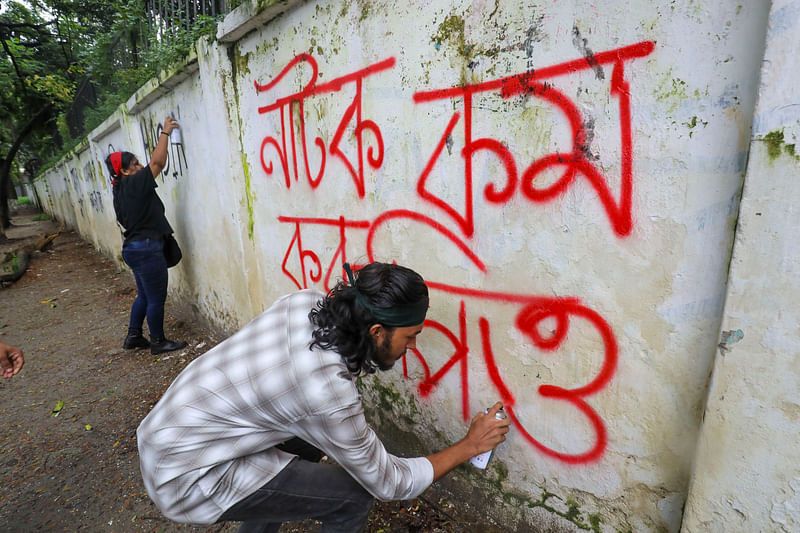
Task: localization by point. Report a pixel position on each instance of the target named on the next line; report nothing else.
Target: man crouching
(223, 442)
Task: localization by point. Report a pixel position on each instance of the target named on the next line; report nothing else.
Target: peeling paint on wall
(786, 512)
(730, 338)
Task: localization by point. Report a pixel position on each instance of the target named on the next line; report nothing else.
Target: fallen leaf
(58, 407)
(48, 300)
(88, 427)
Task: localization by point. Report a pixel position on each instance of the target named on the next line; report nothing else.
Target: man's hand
(485, 432)
(11, 360)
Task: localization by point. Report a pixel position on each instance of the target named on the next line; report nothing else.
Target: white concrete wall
(566, 176)
(747, 476)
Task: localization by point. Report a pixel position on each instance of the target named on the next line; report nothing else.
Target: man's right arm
(344, 435)
(485, 433)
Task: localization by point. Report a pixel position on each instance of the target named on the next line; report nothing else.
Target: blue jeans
(303, 490)
(146, 259)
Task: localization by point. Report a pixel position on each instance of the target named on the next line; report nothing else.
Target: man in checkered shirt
(237, 435)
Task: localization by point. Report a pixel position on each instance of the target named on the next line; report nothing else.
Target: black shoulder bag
(172, 252)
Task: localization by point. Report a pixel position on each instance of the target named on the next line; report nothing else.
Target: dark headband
(398, 316)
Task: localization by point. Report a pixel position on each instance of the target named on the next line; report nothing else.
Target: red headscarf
(116, 162)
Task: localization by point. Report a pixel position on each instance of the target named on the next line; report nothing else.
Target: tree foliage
(65, 66)
(36, 73)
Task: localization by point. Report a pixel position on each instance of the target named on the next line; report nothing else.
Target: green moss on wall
(261, 5)
(776, 146)
(693, 123)
(451, 31)
(365, 10)
(239, 67)
(248, 196)
(380, 400)
(265, 47)
(573, 514)
(671, 92)
(773, 140)
(391, 400)
(101, 171)
(241, 63)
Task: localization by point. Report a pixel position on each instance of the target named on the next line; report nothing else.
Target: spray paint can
(482, 459)
(175, 136)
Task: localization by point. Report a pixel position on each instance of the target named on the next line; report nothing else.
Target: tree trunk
(5, 164)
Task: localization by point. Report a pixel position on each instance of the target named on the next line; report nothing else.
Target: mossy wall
(565, 175)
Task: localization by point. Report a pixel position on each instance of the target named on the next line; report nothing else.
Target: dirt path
(79, 470)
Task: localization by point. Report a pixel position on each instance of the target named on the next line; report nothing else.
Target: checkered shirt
(209, 442)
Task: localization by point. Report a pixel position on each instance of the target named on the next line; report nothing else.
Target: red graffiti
(306, 264)
(339, 256)
(574, 161)
(534, 310)
(403, 213)
(374, 155)
(461, 350)
(310, 265)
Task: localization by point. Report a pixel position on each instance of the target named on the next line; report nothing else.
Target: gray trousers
(303, 490)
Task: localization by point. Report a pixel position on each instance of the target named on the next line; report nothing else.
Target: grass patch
(41, 216)
(24, 200)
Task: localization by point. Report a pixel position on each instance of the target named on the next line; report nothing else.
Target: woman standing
(140, 212)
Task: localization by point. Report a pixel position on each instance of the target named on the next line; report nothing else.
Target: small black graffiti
(176, 155)
(88, 171)
(96, 201)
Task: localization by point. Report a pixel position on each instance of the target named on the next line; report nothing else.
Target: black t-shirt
(140, 210)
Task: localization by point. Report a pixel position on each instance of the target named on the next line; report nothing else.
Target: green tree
(36, 81)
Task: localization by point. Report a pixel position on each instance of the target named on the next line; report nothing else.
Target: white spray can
(482, 459)
(175, 136)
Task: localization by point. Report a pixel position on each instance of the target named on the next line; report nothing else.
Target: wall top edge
(249, 16)
(82, 146)
(167, 80)
(110, 124)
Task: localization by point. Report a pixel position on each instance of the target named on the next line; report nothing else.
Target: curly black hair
(342, 324)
